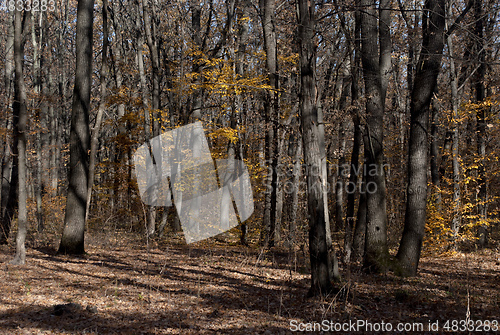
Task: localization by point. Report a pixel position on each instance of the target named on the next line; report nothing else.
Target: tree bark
(267, 8)
(433, 23)
(20, 119)
(72, 241)
(358, 244)
(456, 199)
(376, 64)
(9, 169)
(480, 96)
(102, 106)
(349, 245)
(321, 271)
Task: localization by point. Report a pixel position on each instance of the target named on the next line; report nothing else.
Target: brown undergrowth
(213, 288)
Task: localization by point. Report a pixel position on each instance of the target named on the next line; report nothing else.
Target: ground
(127, 286)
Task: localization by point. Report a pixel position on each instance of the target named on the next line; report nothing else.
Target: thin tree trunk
(340, 182)
(149, 18)
(480, 91)
(243, 29)
(20, 119)
(72, 241)
(324, 171)
(267, 8)
(297, 172)
(358, 244)
(351, 189)
(39, 41)
(456, 220)
(151, 211)
(349, 245)
(436, 180)
(102, 106)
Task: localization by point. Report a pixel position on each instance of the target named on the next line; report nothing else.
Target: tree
(481, 118)
(321, 261)
(376, 62)
(9, 169)
(20, 118)
(72, 241)
(271, 105)
(102, 105)
(433, 24)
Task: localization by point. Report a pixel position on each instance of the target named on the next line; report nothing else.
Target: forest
(249, 166)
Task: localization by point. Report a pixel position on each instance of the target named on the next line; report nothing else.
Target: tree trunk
(321, 271)
(20, 119)
(72, 241)
(456, 220)
(243, 29)
(39, 41)
(358, 244)
(150, 211)
(375, 70)
(433, 23)
(349, 245)
(102, 106)
(9, 169)
(480, 91)
(351, 189)
(267, 8)
(297, 172)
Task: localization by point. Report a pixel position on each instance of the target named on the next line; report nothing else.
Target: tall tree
(20, 118)
(72, 241)
(9, 169)
(376, 61)
(102, 105)
(267, 8)
(481, 117)
(322, 274)
(354, 43)
(433, 24)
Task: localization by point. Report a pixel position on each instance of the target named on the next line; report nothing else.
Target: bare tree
(267, 8)
(9, 169)
(72, 241)
(322, 274)
(376, 61)
(433, 24)
(20, 118)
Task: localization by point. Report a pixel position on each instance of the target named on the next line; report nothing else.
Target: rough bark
(356, 147)
(358, 244)
(433, 23)
(20, 119)
(321, 271)
(9, 169)
(72, 241)
(267, 8)
(375, 72)
(41, 166)
(102, 106)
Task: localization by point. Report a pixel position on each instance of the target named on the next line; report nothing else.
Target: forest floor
(123, 287)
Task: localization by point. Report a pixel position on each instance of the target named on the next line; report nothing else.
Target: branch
(459, 19)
